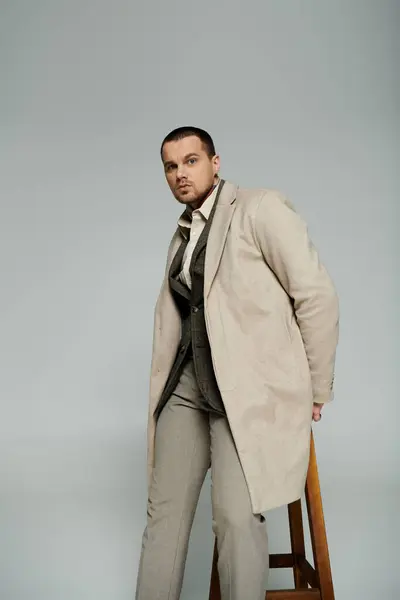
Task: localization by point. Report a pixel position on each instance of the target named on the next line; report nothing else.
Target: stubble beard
(196, 200)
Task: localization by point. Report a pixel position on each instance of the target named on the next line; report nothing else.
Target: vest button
(195, 309)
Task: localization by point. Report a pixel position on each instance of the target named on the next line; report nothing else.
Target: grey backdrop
(301, 96)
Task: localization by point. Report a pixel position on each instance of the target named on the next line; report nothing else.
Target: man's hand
(317, 416)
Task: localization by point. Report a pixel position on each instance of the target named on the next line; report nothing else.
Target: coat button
(195, 309)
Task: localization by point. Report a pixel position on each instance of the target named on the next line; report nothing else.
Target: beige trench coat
(272, 319)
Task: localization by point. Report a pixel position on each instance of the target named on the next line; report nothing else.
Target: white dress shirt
(192, 230)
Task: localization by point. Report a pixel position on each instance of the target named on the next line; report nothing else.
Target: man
(245, 336)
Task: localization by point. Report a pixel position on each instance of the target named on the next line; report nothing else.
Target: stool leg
(297, 542)
(317, 528)
(215, 591)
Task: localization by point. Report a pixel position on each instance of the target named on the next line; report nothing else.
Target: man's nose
(181, 172)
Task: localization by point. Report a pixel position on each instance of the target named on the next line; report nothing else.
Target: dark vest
(194, 339)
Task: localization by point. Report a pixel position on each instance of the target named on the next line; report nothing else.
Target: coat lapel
(219, 229)
(165, 296)
(173, 249)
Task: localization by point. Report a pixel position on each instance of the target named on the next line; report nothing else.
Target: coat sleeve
(283, 238)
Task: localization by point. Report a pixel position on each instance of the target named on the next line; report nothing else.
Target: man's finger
(317, 415)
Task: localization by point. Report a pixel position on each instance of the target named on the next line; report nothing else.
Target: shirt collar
(185, 220)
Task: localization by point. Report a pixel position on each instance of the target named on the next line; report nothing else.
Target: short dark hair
(181, 132)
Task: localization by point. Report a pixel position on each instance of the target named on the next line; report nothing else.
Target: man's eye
(191, 161)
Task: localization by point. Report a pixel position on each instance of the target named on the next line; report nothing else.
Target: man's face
(190, 172)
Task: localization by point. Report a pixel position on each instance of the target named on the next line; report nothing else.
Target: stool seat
(311, 583)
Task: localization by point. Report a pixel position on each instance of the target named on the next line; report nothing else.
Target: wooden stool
(319, 578)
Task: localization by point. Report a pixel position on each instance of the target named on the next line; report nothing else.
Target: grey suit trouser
(190, 439)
